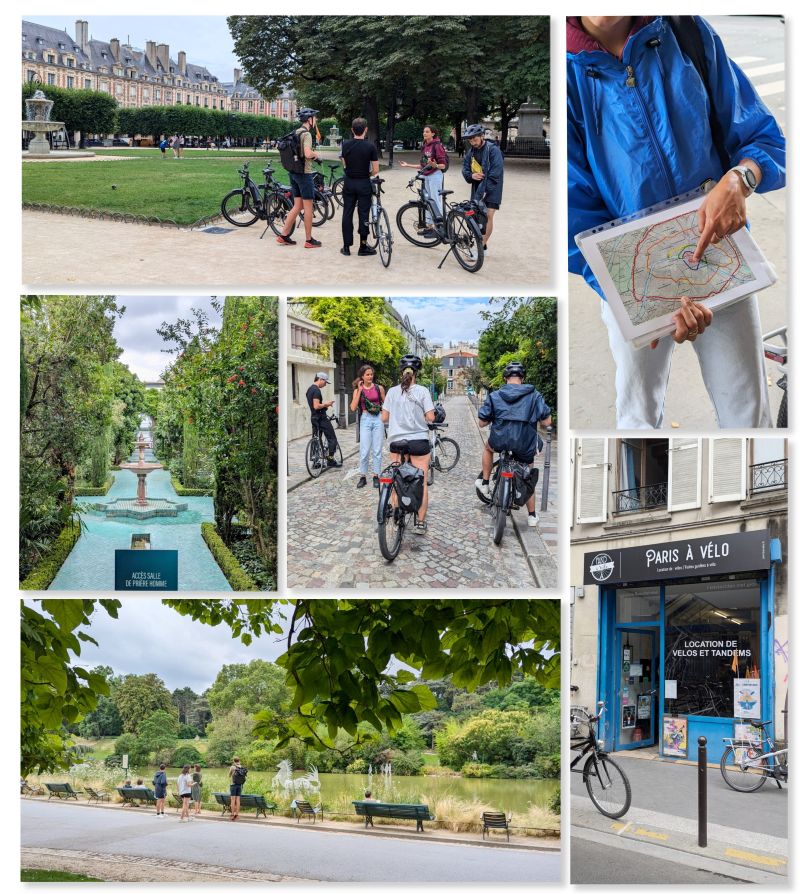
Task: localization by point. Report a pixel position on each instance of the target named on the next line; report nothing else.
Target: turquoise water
(90, 565)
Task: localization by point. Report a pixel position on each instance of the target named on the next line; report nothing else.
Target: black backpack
(439, 413)
(239, 775)
(291, 153)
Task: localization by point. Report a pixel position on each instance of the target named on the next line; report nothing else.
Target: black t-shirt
(357, 155)
(315, 392)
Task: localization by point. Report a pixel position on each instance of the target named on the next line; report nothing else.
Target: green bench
(95, 795)
(371, 809)
(133, 794)
(61, 790)
(304, 808)
(27, 788)
(259, 802)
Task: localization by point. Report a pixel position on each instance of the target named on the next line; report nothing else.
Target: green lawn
(53, 875)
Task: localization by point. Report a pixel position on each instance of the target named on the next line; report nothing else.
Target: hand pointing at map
(724, 210)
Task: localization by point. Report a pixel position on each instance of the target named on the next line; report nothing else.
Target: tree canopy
(140, 695)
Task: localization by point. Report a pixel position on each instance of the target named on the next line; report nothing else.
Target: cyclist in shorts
(514, 412)
(408, 408)
(482, 168)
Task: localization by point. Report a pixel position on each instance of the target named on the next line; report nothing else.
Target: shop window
(712, 640)
(642, 474)
(638, 604)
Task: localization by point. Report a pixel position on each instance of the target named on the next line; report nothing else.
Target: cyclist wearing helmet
(303, 184)
(408, 409)
(482, 168)
(513, 411)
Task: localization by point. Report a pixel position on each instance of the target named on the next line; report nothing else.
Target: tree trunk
(505, 120)
(371, 114)
(472, 98)
(390, 115)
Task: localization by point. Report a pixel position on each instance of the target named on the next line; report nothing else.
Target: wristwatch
(748, 178)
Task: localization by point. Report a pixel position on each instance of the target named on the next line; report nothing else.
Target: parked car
(398, 147)
(93, 143)
(120, 141)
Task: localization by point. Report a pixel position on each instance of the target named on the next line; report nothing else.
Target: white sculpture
(309, 784)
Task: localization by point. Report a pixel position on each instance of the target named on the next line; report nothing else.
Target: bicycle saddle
(759, 724)
(378, 180)
(445, 192)
(334, 167)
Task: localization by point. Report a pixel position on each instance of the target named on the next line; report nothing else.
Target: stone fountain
(37, 121)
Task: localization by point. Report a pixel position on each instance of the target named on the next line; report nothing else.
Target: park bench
(131, 795)
(27, 788)
(371, 809)
(259, 802)
(496, 821)
(61, 790)
(95, 795)
(303, 808)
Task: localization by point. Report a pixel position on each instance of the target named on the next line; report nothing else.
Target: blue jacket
(632, 146)
(514, 411)
(490, 189)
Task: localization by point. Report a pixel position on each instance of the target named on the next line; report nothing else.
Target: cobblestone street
(333, 541)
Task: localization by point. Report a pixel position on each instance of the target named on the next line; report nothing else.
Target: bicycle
(746, 766)
(392, 516)
(606, 783)
(779, 354)
(455, 226)
(506, 492)
(324, 205)
(316, 453)
(271, 202)
(334, 184)
(379, 228)
(445, 452)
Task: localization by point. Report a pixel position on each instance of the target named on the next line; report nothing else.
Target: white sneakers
(533, 520)
(483, 488)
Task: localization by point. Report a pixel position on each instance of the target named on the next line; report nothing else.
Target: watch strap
(746, 174)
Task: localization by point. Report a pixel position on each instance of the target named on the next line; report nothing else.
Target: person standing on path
(160, 786)
(482, 168)
(432, 165)
(197, 789)
(185, 792)
(408, 409)
(237, 775)
(360, 160)
(302, 182)
(319, 414)
(368, 397)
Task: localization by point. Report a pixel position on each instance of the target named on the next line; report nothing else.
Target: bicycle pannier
(410, 485)
(525, 479)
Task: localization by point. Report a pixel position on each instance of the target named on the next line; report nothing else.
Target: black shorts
(522, 459)
(421, 447)
(236, 790)
(186, 795)
(494, 205)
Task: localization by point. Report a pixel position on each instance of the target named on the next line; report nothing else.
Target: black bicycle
(605, 781)
(334, 182)
(400, 496)
(510, 487)
(380, 233)
(747, 765)
(445, 452)
(317, 451)
(457, 226)
(270, 202)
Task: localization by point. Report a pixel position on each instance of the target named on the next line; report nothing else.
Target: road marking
(769, 89)
(754, 858)
(646, 833)
(618, 827)
(764, 70)
(743, 60)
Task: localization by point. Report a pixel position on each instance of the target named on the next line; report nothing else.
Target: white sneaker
(483, 488)
(533, 520)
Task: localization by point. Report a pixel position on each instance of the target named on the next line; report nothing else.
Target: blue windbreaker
(633, 146)
(490, 158)
(514, 411)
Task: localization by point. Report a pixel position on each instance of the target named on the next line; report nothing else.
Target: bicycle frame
(773, 768)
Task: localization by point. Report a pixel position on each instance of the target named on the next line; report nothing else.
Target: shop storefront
(685, 646)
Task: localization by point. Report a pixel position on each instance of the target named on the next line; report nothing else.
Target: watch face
(750, 177)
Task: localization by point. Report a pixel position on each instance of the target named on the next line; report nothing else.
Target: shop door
(636, 687)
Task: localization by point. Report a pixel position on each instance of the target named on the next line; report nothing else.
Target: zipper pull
(630, 81)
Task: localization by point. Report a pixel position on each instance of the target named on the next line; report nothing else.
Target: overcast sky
(445, 319)
(142, 346)
(206, 39)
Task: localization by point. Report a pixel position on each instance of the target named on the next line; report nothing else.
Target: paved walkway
(333, 543)
(274, 853)
(85, 253)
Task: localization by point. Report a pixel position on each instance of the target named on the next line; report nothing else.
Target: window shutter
(726, 469)
(592, 480)
(683, 475)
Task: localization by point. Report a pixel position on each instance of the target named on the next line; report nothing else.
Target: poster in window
(628, 716)
(643, 707)
(675, 738)
(747, 698)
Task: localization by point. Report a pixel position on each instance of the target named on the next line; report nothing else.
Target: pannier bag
(410, 485)
(525, 479)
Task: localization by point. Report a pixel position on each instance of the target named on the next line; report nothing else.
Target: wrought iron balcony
(768, 476)
(640, 499)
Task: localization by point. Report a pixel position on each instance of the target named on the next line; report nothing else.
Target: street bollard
(702, 792)
(548, 445)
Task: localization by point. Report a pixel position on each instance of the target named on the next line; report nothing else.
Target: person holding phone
(368, 397)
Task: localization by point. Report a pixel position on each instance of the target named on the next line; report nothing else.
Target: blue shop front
(685, 641)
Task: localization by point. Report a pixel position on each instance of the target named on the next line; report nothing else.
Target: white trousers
(731, 357)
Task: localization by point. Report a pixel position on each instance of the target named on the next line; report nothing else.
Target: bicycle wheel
(278, 208)
(315, 461)
(391, 525)
(411, 222)
(742, 769)
(607, 785)
(239, 209)
(447, 454)
(383, 236)
(783, 412)
(330, 203)
(499, 500)
(465, 237)
(337, 188)
(320, 210)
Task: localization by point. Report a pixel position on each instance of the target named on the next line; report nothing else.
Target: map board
(645, 265)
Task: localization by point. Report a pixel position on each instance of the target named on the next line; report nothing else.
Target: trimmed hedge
(182, 491)
(47, 567)
(95, 491)
(237, 577)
